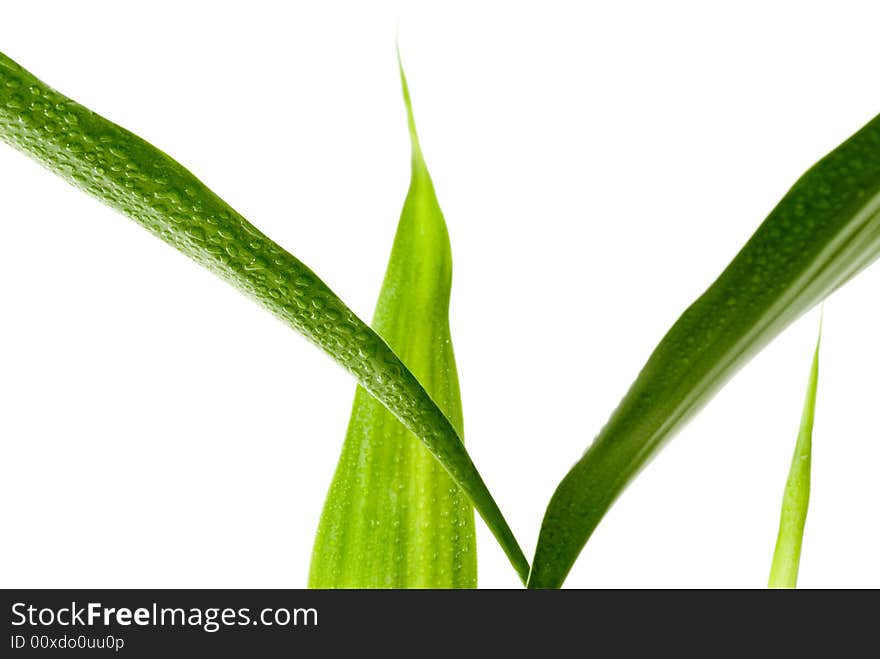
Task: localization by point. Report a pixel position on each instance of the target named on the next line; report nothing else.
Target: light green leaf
(130, 175)
(796, 500)
(393, 518)
(822, 233)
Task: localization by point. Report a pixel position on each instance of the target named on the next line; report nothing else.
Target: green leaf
(393, 518)
(822, 233)
(130, 175)
(796, 500)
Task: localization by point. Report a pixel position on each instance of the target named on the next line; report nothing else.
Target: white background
(598, 166)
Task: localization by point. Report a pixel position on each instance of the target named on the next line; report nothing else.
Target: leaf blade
(132, 176)
(796, 498)
(824, 231)
(393, 518)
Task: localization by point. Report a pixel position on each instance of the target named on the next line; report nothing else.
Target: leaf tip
(407, 100)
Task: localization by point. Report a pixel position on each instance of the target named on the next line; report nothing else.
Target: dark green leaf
(822, 233)
(132, 176)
